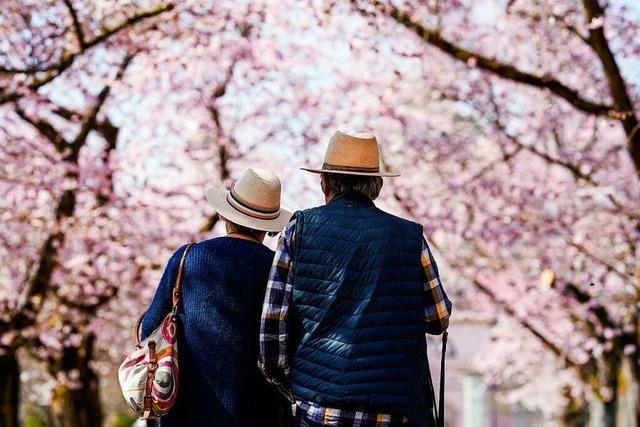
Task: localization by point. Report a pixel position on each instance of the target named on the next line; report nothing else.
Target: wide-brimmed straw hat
(254, 201)
(352, 154)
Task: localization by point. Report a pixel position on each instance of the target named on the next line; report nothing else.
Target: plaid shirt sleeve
(274, 353)
(437, 307)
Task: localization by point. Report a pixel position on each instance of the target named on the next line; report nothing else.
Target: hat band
(329, 166)
(249, 209)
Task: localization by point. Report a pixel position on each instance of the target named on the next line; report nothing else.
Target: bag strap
(175, 294)
(177, 287)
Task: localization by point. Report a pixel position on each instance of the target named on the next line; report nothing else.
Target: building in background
(470, 402)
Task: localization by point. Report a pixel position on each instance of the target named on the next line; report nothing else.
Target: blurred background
(515, 125)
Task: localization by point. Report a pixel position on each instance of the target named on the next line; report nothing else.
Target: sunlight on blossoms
(515, 126)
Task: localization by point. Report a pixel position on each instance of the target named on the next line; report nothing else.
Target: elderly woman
(219, 314)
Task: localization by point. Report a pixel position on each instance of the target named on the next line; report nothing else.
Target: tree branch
(490, 65)
(110, 134)
(622, 108)
(573, 168)
(223, 153)
(597, 309)
(67, 59)
(92, 307)
(48, 257)
(526, 324)
(610, 267)
(45, 128)
(129, 22)
(89, 119)
(556, 18)
(546, 342)
(77, 26)
(595, 15)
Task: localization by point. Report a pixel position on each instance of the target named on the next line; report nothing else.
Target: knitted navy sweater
(219, 321)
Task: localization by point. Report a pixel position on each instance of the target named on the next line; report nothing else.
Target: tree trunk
(9, 390)
(77, 406)
(576, 412)
(62, 409)
(610, 412)
(610, 406)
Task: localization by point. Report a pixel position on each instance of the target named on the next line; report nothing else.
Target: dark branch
(573, 168)
(561, 20)
(491, 65)
(129, 23)
(52, 71)
(48, 257)
(77, 26)
(621, 99)
(223, 153)
(527, 325)
(621, 338)
(89, 120)
(209, 223)
(37, 288)
(498, 123)
(86, 307)
(56, 70)
(65, 113)
(110, 134)
(597, 309)
(45, 128)
(87, 125)
(609, 266)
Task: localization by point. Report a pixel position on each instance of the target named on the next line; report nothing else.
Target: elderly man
(351, 293)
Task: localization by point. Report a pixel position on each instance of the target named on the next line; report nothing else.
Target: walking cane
(441, 394)
(437, 413)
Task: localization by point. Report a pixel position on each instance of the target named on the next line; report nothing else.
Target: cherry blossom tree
(81, 196)
(77, 222)
(514, 124)
(520, 183)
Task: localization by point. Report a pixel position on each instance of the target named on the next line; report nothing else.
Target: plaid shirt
(274, 352)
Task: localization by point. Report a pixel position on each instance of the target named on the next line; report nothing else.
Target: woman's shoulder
(226, 244)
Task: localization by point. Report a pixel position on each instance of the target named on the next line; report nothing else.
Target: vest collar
(353, 199)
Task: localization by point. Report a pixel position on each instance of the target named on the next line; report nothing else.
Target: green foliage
(35, 419)
(122, 420)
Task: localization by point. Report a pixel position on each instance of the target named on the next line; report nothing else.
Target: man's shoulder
(301, 214)
(388, 217)
(309, 210)
(400, 221)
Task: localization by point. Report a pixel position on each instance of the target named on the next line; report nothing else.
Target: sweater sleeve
(161, 303)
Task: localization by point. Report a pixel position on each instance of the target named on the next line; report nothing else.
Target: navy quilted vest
(357, 317)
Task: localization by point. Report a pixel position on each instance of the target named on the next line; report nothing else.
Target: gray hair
(335, 184)
(232, 227)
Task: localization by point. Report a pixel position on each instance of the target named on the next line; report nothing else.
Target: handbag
(149, 375)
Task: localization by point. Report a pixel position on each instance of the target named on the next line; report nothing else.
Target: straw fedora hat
(254, 201)
(352, 154)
